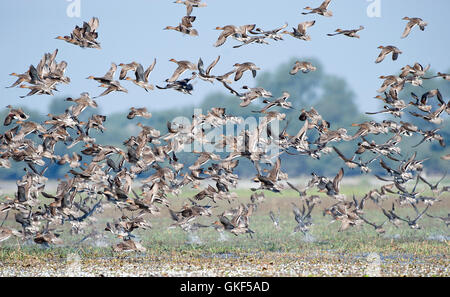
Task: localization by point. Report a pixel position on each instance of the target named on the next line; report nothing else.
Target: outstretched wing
(149, 69)
(408, 28)
(337, 180)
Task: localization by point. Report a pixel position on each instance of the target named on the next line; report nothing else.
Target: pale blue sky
(130, 32)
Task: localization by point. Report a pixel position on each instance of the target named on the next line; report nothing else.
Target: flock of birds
(107, 175)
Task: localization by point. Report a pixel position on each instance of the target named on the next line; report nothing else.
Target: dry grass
(322, 252)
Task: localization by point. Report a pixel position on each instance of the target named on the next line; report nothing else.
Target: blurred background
(342, 88)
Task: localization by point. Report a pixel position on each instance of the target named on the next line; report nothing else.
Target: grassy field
(323, 251)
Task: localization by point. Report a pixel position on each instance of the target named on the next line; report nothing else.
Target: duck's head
(90, 77)
(406, 19)
(381, 47)
(173, 60)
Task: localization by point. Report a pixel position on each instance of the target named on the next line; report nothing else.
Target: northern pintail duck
(411, 23)
(300, 31)
(349, 33)
(142, 77)
(321, 10)
(241, 68)
(190, 4)
(239, 33)
(303, 66)
(85, 36)
(182, 67)
(386, 50)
